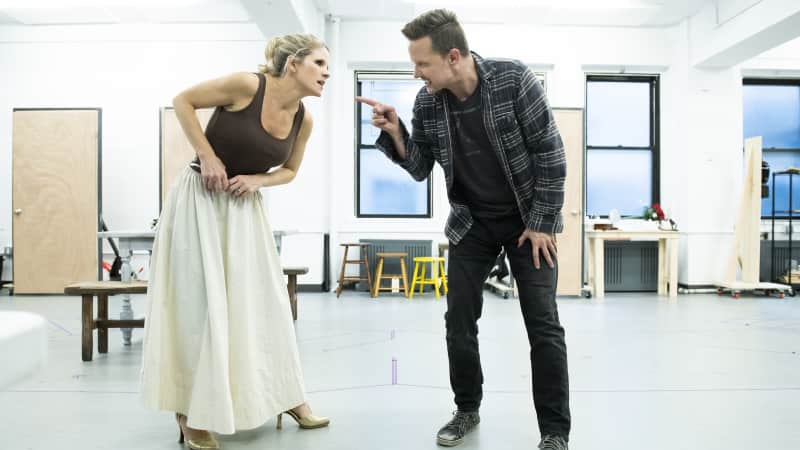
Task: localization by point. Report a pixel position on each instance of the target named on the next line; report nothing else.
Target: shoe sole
(447, 443)
(314, 427)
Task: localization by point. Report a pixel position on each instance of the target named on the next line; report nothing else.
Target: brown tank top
(241, 142)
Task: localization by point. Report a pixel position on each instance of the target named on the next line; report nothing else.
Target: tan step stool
(379, 275)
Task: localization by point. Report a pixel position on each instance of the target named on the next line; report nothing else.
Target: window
(622, 144)
(384, 189)
(771, 109)
(542, 77)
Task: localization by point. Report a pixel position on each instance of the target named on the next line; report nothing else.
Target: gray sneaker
(454, 431)
(551, 442)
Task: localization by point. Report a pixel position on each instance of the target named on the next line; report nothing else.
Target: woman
(219, 345)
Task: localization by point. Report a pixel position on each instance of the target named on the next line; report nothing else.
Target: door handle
(574, 212)
(18, 211)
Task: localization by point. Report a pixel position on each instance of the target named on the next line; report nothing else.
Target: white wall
(130, 72)
(110, 67)
(701, 115)
(568, 50)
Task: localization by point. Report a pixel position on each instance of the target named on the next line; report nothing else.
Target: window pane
(781, 161)
(398, 93)
(542, 79)
(618, 114)
(620, 179)
(773, 112)
(387, 189)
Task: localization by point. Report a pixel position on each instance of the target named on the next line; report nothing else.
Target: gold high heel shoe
(205, 443)
(308, 422)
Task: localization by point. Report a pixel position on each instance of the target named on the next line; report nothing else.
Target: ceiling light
(568, 4)
(68, 4)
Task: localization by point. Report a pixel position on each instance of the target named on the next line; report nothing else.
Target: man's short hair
(442, 27)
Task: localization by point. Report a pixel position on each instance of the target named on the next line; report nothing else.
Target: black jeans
(468, 266)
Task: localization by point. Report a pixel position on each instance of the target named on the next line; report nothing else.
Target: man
(489, 126)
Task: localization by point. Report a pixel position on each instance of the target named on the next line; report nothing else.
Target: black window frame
(755, 81)
(655, 128)
(385, 74)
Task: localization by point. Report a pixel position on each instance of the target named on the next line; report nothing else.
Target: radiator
(392, 265)
(631, 266)
(773, 266)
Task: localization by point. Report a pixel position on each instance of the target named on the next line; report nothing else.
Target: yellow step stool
(419, 278)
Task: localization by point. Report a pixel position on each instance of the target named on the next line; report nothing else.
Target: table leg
(673, 268)
(102, 330)
(87, 326)
(662, 267)
(292, 288)
(599, 268)
(125, 272)
(590, 264)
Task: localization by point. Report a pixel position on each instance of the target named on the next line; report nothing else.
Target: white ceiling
(631, 13)
(627, 13)
(187, 11)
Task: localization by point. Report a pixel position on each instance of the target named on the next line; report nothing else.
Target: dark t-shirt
(478, 178)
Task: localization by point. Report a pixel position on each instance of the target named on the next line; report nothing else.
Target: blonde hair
(280, 48)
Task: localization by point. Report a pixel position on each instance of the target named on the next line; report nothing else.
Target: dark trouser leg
(537, 297)
(468, 266)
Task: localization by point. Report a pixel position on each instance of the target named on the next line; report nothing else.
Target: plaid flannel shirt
(523, 134)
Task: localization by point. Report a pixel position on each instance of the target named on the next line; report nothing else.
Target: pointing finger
(367, 101)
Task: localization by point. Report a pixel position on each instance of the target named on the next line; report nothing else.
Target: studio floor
(700, 372)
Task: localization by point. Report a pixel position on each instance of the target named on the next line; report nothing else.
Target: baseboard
(311, 287)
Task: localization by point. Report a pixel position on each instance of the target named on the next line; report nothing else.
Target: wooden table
(291, 286)
(142, 240)
(101, 290)
(667, 257)
(129, 241)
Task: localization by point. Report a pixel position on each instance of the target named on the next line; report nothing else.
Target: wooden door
(55, 197)
(176, 151)
(570, 242)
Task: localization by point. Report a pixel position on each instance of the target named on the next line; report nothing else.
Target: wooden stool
(364, 260)
(291, 286)
(420, 278)
(379, 275)
(102, 289)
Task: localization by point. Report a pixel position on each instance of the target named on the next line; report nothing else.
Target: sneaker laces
(458, 423)
(553, 443)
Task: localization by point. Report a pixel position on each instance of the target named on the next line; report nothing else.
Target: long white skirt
(219, 342)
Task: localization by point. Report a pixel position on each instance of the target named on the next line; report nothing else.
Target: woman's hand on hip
(241, 185)
(215, 179)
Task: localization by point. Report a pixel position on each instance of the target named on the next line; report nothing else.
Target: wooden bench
(291, 286)
(101, 290)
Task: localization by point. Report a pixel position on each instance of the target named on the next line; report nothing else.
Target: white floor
(703, 372)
